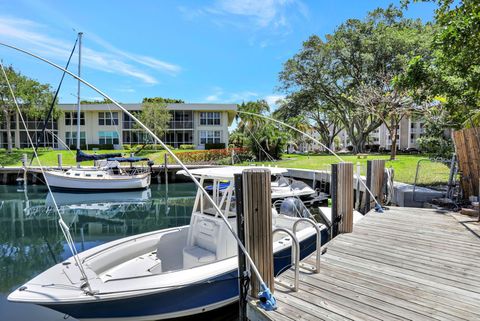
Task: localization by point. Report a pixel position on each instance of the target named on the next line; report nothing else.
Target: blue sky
(200, 51)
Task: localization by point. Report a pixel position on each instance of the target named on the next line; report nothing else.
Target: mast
(78, 90)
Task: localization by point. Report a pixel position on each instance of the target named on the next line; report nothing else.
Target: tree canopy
(162, 100)
(326, 78)
(33, 98)
(156, 117)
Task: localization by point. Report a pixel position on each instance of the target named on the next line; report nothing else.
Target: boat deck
(404, 264)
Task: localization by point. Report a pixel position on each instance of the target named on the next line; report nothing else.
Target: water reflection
(31, 240)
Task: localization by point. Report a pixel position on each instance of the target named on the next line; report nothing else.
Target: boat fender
(267, 300)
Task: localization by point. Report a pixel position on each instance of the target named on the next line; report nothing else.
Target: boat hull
(59, 181)
(188, 300)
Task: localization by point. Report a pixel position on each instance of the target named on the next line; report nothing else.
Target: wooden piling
(59, 160)
(257, 209)
(342, 198)
(375, 177)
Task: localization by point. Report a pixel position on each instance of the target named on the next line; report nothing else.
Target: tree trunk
(393, 136)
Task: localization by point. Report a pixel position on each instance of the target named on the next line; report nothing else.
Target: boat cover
(127, 159)
(82, 157)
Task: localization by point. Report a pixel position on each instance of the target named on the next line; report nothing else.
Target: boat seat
(195, 255)
(202, 243)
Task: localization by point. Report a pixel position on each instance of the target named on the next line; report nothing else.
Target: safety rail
(316, 268)
(295, 259)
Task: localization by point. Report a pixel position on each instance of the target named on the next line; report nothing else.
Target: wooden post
(24, 160)
(165, 167)
(242, 263)
(342, 198)
(257, 208)
(59, 160)
(375, 177)
(358, 185)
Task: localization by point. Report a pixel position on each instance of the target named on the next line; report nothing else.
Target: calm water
(31, 241)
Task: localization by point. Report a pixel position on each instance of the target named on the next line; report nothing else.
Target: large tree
(33, 98)
(156, 117)
(451, 72)
(359, 54)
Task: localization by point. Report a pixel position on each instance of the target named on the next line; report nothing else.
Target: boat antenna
(80, 34)
(63, 226)
(265, 291)
(378, 207)
(53, 104)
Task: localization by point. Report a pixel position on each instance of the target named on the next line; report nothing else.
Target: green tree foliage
(33, 98)
(451, 72)
(156, 117)
(360, 54)
(162, 100)
(95, 102)
(436, 141)
(262, 136)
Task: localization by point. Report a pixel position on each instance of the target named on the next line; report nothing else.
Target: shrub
(187, 146)
(92, 146)
(212, 156)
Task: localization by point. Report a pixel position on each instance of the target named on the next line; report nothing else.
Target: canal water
(31, 240)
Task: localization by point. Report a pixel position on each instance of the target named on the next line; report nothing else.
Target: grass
(404, 166)
(49, 157)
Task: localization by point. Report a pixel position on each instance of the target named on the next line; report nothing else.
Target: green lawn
(49, 157)
(404, 166)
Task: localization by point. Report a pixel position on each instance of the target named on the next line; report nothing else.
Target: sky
(213, 51)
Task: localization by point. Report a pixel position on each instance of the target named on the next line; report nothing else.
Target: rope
(63, 226)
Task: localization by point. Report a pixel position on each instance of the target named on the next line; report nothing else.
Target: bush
(186, 146)
(126, 146)
(214, 146)
(212, 156)
(436, 147)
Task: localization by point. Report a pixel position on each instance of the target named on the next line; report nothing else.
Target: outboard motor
(292, 206)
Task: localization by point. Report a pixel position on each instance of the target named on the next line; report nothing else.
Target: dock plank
(405, 264)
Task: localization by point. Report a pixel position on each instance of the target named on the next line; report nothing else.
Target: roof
(228, 172)
(230, 108)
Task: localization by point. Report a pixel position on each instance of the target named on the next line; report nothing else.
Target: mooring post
(165, 167)
(375, 177)
(59, 160)
(24, 165)
(342, 198)
(358, 184)
(257, 209)
(242, 263)
(24, 160)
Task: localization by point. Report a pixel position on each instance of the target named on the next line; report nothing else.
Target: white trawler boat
(167, 273)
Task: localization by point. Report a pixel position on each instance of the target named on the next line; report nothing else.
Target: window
(71, 118)
(210, 136)
(108, 118)
(209, 118)
(128, 122)
(135, 137)
(108, 138)
(71, 138)
(412, 136)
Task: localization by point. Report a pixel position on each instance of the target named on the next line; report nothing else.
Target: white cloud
(27, 33)
(266, 13)
(272, 99)
(219, 95)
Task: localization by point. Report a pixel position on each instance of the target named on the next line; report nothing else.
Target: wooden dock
(404, 264)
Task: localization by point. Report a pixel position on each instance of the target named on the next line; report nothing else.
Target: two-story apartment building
(192, 124)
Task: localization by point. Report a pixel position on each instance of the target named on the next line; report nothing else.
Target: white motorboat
(167, 273)
(282, 187)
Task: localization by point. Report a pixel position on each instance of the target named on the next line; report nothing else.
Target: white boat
(282, 187)
(106, 176)
(101, 178)
(168, 273)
